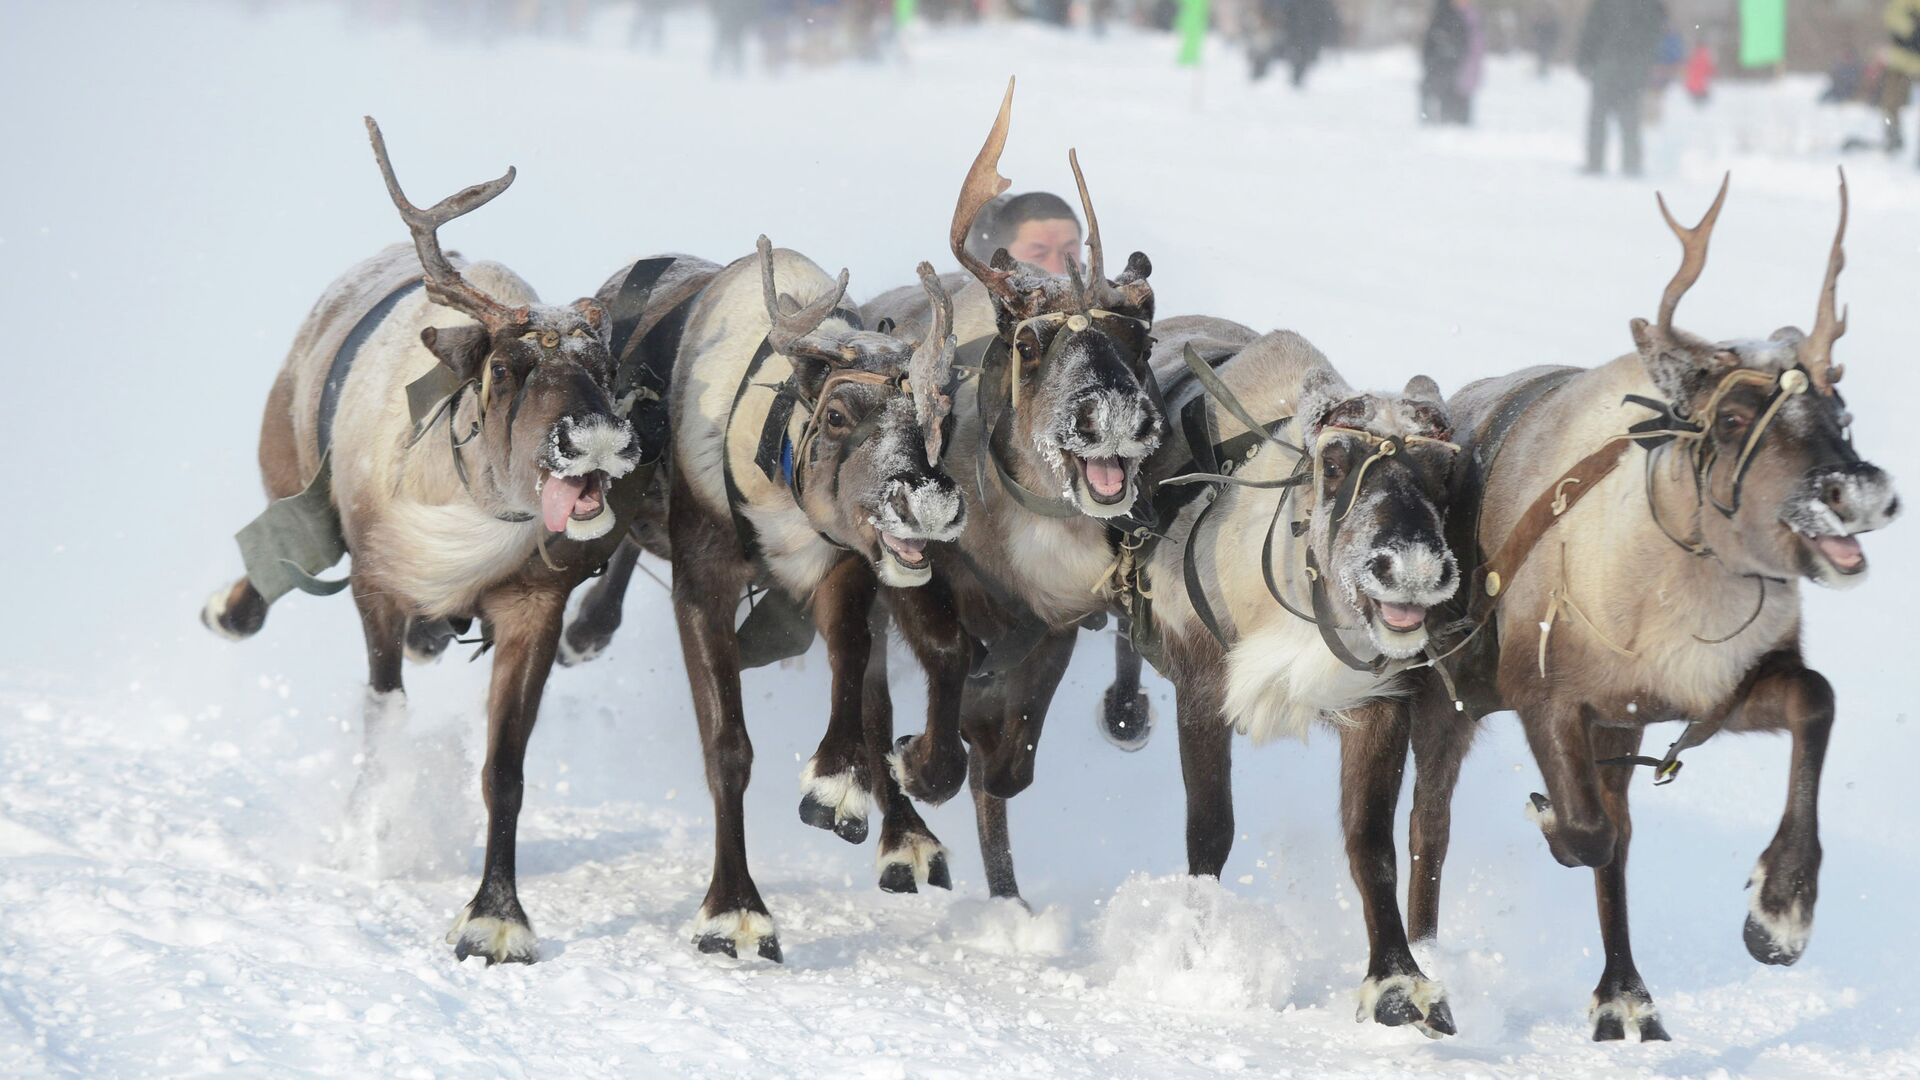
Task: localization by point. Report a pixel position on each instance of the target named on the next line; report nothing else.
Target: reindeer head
(1376, 503)
(548, 439)
(866, 467)
(1780, 490)
(1082, 418)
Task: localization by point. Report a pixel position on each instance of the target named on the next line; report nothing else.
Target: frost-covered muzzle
(1098, 423)
(582, 455)
(1393, 573)
(912, 512)
(1828, 512)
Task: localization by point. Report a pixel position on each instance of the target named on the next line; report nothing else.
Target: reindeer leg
(984, 707)
(238, 611)
(932, 765)
(1441, 738)
(706, 591)
(384, 624)
(1373, 759)
(1571, 815)
(1030, 690)
(1125, 718)
(1621, 1003)
(834, 785)
(1786, 881)
(1206, 766)
(598, 616)
(526, 632)
(910, 855)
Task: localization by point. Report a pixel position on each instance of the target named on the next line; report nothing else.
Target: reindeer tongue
(1106, 476)
(1842, 551)
(558, 496)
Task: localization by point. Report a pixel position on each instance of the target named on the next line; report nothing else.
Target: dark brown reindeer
(1635, 568)
(1048, 449)
(852, 504)
(498, 518)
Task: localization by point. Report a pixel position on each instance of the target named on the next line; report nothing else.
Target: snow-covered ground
(180, 181)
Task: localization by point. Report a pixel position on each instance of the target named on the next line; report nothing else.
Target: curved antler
(444, 284)
(1096, 262)
(982, 185)
(785, 330)
(1693, 246)
(930, 371)
(1829, 323)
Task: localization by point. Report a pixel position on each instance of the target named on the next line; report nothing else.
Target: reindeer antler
(1096, 262)
(930, 371)
(1693, 246)
(444, 284)
(787, 330)
(983, 184)
(1829, 324)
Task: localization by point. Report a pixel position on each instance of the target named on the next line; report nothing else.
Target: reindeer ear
(810, 372)
(1003, 260)
(1422, 388)
(1139, 268)
(461, 348)
(1320, 391)
(593, 312)
(1682, 367)
(884, 326)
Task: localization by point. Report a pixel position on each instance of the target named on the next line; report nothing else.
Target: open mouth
(1400, 618)
(572, 498)
(1105, 478)
(908, 551)
(1843, 553)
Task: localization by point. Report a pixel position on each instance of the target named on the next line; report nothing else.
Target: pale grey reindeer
(493, 509)
(1640, 530)
(850, 500)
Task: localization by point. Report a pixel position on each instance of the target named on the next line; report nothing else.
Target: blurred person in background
(1036, 227)
(1618, 46)
(1451, 55)
(1847, 78)
(1902, 66)
(1294, 31)
(1543, 39)
(1700, 72)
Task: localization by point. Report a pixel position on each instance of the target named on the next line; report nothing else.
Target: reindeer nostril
(563, 442)
(1893, 507)
(1145, 431)
(1382, 569)
(1086, 419)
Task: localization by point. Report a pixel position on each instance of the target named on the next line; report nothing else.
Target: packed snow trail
(182, 891)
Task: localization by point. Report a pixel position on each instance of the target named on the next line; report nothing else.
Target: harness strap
(1494, 575)
(343, 360)
(743, 530)
(1323, 618)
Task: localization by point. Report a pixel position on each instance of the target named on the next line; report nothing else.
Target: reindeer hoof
(1624, 1013)
(235, 622)
(897, 878)
(837, 802)
(734, 932)
(919, 861)
(1776, 933)
(1126, 722)
(928, 773)
(495, 939)
(581, 644)
(1398, 1000)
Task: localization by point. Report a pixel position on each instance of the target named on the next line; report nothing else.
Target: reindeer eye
(836, 418)
(499, 371)
(1731, 422)
(1026, 351)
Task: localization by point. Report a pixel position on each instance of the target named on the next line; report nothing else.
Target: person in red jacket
(1700, 72)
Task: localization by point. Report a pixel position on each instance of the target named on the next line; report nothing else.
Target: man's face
(1049, 244)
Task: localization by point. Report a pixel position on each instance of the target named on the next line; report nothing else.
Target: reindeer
(1049, 450)
(498, 519)
(1614, 593)
(852, 504)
